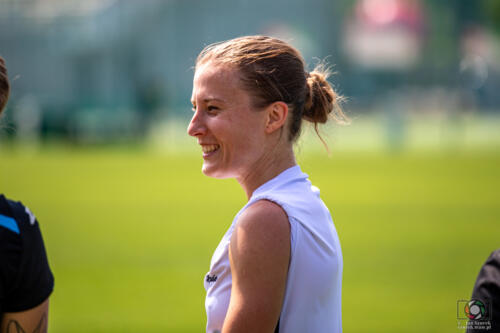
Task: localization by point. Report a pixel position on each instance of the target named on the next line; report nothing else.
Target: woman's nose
(196, 126)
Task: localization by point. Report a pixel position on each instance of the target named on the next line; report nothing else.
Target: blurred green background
(130, 233)
(93, 140)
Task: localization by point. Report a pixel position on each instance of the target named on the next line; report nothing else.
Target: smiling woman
(278, 268)
(224, 122)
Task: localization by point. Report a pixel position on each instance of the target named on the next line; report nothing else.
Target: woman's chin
(209, 170)
(214, 172)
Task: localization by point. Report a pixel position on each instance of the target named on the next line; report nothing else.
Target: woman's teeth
(209, 148)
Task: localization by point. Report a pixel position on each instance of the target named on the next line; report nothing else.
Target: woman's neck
(270, 165)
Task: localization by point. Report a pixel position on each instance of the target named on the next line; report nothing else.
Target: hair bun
(321, 99)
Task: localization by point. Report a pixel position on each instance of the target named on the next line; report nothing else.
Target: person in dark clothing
(487, 291)
(26, 280)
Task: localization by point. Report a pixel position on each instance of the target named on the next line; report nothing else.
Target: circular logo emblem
(475, 309)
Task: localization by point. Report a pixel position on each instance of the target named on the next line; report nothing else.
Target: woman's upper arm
(259, 254)
(30, 321)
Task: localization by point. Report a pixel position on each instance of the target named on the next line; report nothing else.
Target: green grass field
(130, 233)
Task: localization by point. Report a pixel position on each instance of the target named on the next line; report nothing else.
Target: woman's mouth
(209, 149)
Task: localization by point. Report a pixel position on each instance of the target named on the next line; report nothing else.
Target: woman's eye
(212, 109)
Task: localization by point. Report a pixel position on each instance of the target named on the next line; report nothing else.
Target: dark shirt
(487, 290)
(25, 277)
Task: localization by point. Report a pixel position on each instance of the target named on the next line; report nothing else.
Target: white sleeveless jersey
(312, 300)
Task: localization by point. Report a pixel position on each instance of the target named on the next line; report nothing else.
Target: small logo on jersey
(211, 278)
(31, 215)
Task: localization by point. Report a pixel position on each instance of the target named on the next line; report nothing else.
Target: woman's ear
(276, 116)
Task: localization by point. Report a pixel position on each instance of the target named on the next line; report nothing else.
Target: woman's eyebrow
(209, 99)
(213, 99)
